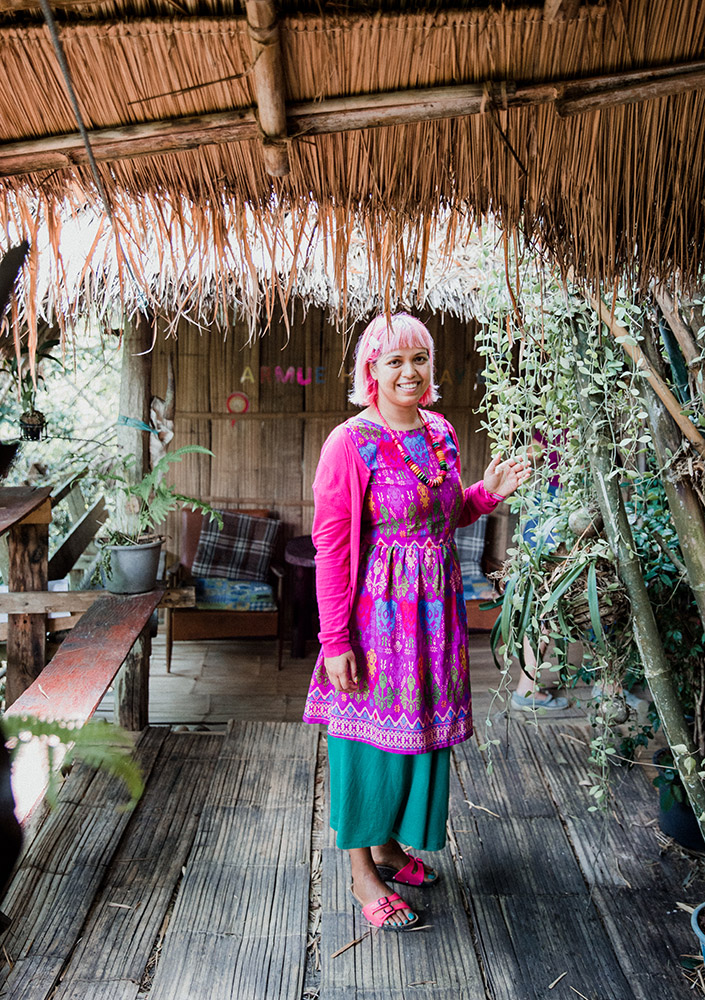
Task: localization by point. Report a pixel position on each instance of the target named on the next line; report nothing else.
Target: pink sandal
(379, 912)
(413, 873)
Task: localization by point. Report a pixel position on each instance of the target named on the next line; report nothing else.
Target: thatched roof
(604, 175)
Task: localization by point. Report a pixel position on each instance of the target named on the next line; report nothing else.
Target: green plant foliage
(25, 381)
(97, 743)
(677, 615)
(139, 509)
(562, 584)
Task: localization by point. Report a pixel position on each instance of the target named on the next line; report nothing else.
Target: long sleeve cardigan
(339, 489)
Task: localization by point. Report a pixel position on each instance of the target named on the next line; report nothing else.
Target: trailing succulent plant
(545, 355)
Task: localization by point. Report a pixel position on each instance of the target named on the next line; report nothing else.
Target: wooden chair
(192, 624)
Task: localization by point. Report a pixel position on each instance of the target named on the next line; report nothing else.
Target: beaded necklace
(411, 464)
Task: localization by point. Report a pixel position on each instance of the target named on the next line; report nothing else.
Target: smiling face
(402, 377)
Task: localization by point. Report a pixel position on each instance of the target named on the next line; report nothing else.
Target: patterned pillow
(241, 551)
(233, 595)
(470, 542)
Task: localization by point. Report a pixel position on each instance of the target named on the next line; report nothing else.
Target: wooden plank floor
(213, 682)
(203, 890)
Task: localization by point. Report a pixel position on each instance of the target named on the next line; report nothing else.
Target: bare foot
(367, 886)
(393, 856)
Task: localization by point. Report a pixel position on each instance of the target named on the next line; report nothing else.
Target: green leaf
(594, 606)
(525, 613)
(507, 607)
(562, 585)
(98, 744)
(494, 639)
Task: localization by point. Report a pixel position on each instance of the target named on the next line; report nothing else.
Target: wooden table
(300, 553)
(26, 514)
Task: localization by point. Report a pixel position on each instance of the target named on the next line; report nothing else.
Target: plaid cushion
(241, 551)
(470, 542)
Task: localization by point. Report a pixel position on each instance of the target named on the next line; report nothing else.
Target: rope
(68, 82)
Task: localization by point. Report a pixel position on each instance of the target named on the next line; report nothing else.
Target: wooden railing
(109, 642)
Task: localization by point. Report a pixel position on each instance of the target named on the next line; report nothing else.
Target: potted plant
(132, 542)
(32, 420)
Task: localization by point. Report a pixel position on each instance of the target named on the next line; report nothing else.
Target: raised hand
(504, 477)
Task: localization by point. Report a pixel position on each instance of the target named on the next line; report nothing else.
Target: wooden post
(132, 683)
(131, 689)
(28, 570)
(269, 83)
(135, 392)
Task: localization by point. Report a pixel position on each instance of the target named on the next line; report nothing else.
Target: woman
(391, 680)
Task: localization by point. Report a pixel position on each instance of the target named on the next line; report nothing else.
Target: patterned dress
(408, 624)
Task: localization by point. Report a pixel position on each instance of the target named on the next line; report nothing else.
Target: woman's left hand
(506, 477)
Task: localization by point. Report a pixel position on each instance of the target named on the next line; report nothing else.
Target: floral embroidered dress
(408, 624)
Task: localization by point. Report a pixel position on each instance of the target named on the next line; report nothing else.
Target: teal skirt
(376, 795)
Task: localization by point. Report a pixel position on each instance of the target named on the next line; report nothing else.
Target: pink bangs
(382, 336)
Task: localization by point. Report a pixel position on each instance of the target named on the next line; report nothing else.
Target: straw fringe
(611, 193)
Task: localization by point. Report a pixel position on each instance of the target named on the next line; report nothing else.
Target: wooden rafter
(341, 114)
(268, 74)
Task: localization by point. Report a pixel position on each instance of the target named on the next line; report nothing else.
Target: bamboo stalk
(646, 634)
(632, 94)
(327, 117)
(686, 426)
(263, 29)
(685, 338)
(686, 510)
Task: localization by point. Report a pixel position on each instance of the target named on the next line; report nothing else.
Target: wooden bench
(111, 640)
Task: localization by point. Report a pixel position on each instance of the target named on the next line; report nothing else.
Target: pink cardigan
(339, 489)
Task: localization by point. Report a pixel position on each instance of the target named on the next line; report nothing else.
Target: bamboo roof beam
(263, 29)
(342, 114)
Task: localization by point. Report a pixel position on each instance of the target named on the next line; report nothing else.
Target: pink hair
(382, 336)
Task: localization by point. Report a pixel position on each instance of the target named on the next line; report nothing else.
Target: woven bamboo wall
(295, 394)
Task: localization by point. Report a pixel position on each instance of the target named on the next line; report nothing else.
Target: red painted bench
(111, 635)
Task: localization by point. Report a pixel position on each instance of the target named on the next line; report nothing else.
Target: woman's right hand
(342, 671)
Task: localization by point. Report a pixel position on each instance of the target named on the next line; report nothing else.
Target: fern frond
(98, 744)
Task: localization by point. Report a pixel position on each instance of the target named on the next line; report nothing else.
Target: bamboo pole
(686, 511)
(646, 634)
(263, 29)
(686, 426)
(327, 117)
(681, 332)
(632, 94)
